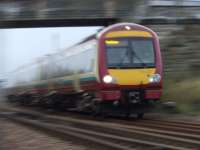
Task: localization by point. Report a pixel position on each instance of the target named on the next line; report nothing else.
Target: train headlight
(155, 78)
(127, 27)
(108, 79)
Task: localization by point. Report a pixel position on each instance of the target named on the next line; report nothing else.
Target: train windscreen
(130, 53)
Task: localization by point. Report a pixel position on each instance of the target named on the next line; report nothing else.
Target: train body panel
(134, 76)
(64, 72)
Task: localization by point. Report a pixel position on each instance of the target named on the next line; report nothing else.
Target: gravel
(16, 137)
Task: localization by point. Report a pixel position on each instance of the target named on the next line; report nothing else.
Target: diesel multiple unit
(119, 69)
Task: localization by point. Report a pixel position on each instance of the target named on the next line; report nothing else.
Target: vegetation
(185, 92)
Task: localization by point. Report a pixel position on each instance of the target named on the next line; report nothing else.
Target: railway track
(115, 134)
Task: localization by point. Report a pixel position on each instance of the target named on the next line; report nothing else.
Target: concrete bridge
(33, 13)
(176, 22)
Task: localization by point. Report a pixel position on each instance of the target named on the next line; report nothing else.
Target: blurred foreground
(13, 138)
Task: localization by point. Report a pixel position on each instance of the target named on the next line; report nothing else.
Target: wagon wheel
(98, 108)
(127, 109)
(127, 114)
(140, 115)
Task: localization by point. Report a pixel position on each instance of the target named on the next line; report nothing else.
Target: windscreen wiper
(123, 58)
(133, 53)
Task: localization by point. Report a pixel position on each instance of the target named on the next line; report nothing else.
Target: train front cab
(130, 67)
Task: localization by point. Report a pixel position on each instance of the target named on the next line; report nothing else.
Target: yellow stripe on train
(132, 76)
(135, 33)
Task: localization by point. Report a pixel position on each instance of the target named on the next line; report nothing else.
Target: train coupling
(134, 97)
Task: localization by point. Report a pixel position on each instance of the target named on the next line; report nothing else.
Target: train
(118, 69)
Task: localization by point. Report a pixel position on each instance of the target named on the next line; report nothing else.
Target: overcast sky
(20, 46)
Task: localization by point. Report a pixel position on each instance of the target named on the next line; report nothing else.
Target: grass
(185, 92)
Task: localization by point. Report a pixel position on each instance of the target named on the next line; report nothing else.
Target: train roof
(106, 29)
(120, 25)
(91, 37)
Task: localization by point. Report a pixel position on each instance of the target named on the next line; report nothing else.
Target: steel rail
(136, 123)
(169, 135)
(143, 131)
(172, 128)
(88, 134)
(174, 123)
